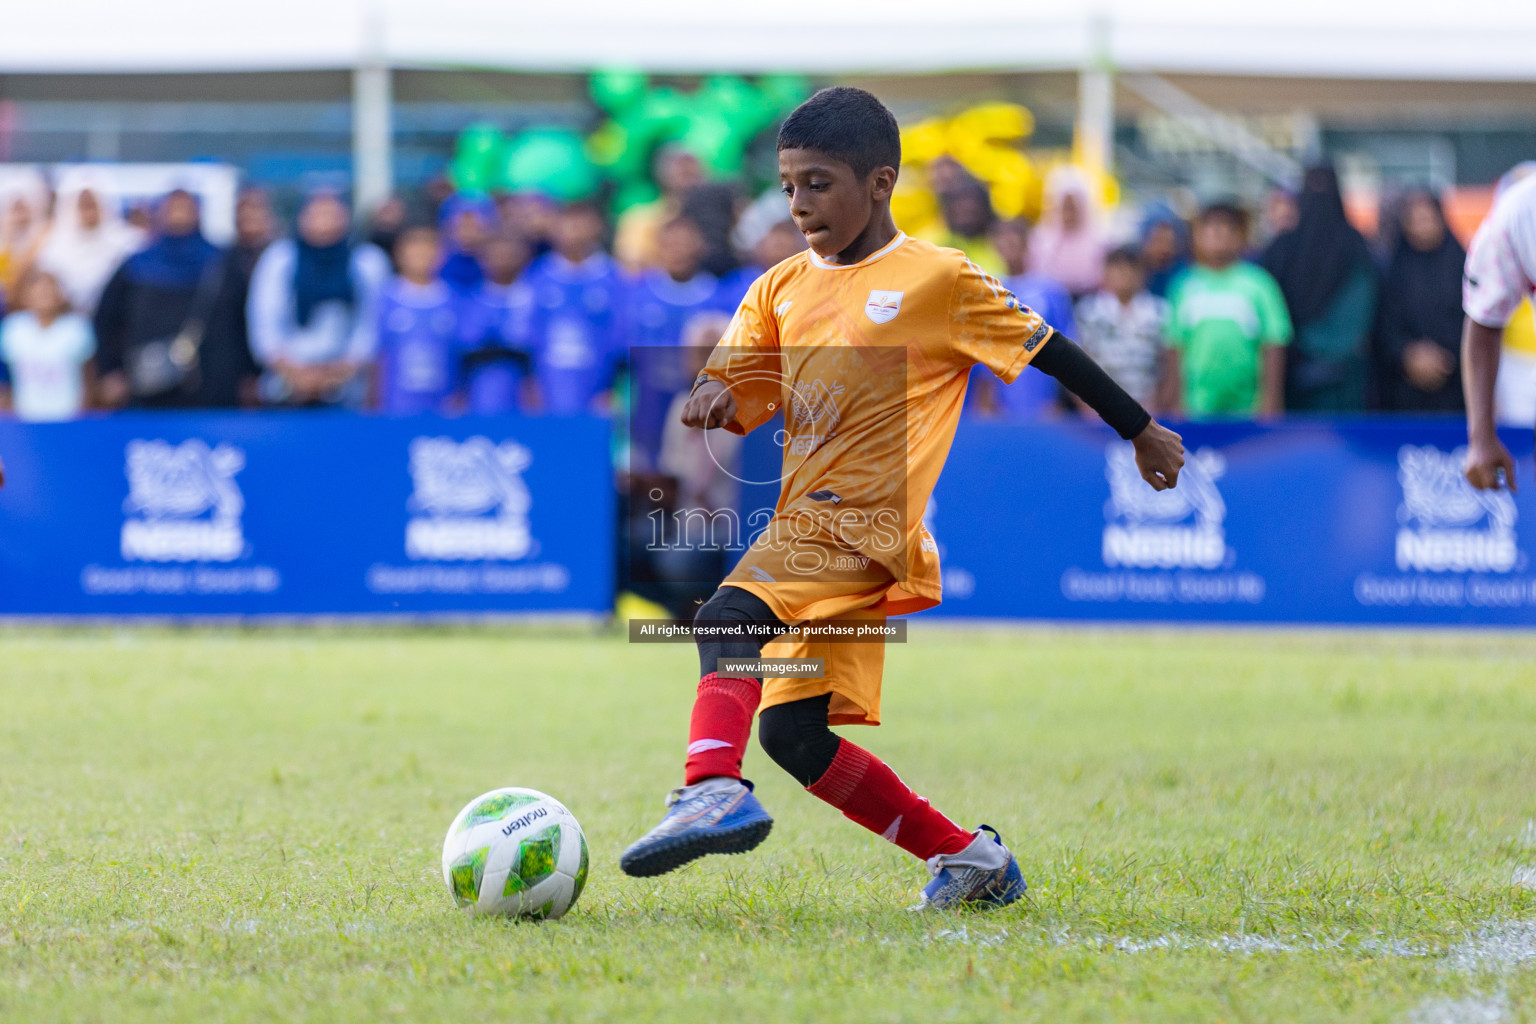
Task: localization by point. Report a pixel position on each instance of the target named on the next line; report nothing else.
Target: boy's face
(578, 233)
(966, 213)
(43, 296)
(1011, 242)
(468, 230)
(253, 220)
(416, 253)
(1122, 279)
(502, 259)
(680, 250)
(830, 204)
(778, 244)
(1218, 241)
(1161, 246)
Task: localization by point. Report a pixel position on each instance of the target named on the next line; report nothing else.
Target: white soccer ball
(516, 852)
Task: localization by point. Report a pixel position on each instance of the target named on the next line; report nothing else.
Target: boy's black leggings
(795, 735)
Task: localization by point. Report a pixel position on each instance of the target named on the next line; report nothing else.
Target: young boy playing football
(866, 341)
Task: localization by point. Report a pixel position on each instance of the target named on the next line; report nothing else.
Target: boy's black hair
(1127, 254)
(849, 125)
(1228, 210)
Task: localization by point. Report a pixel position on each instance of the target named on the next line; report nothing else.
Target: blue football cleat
(715, 816)
(984, 874)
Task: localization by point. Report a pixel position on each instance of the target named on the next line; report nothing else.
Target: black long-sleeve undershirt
(1078, 373)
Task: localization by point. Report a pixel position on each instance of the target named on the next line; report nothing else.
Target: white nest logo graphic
(1447, 525)
(469, 500)
(183, 504)
(813, 415)
(1179, 528)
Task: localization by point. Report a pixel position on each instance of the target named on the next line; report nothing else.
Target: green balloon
(784, 92)
(665, 114)
(728, 95)
(550, 160)
(477, 158)
(713, 139)
(633, 193)
(617, 91)
(717, 123)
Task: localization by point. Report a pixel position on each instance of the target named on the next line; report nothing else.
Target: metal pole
(372, 130)
(1095, 129)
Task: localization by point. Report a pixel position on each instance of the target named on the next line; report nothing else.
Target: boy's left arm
(988, 325)
(1272, 381)
(1275, 334)
(1159, 451)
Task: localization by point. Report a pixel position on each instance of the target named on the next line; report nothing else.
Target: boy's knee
(796, 736)
(733, 607)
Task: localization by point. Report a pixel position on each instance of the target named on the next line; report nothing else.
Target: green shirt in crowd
(1220, 321)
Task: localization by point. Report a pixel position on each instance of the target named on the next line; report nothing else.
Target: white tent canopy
(1480, 40)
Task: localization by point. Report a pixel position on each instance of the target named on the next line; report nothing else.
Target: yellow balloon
(988, 141)
(924, 141)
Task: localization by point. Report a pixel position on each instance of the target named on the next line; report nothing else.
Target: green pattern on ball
(466, 874)
(495, 808)
(538, 855)
(581, 873)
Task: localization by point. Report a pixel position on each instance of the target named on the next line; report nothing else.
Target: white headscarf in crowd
(20, 236)
(84, 259)
(29, 189)
(1074, 258)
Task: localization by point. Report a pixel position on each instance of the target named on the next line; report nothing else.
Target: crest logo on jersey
(882, 307)
(183, 503)
(470, 500)
(1444, 524)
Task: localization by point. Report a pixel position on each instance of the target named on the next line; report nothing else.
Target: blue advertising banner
(1364, 521)
(1307, 521)
(305, 513)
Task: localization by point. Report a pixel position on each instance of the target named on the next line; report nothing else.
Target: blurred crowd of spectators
(491, 305)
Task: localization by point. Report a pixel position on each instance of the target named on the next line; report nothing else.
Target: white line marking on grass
(1247, 945)
(1498, 947)
(1459, 1011)
(963, 935)
(1502, 946)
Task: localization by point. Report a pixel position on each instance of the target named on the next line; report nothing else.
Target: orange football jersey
(868, 363)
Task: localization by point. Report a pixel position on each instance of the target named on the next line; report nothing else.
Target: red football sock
(865, 789)
(721, 726)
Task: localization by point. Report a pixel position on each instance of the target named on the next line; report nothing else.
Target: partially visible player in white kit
(1501, 271)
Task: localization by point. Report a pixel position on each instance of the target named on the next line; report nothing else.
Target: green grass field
(204, 826)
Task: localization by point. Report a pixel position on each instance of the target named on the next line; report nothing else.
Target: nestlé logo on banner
(1445, 524)
(469, 501)
(1179, 528)
(183, 504)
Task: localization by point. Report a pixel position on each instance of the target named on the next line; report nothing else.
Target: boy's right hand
(1159, 455)
(710, 406)
(1487, 458)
